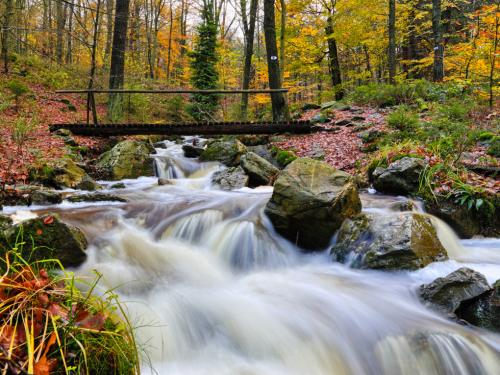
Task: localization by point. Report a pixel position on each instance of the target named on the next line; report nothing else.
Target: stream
(212, 289)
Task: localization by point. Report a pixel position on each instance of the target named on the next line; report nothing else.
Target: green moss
(494, 147)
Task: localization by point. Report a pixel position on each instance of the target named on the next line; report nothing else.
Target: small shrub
(494, 147)
(403, 119)
(17, 89)
(455, 110)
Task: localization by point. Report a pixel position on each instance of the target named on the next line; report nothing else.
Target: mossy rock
(47, 238)
(399, 241)
(230, 178)
(127, 159)
(226, 151)
(63, 173)
(97, 197)
(310, 201)
(400, 177)
(258, 169)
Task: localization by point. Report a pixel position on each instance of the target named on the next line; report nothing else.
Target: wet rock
(264, 152)
(160, 144)
(259, 170)
(393, 242)
(165, 181)
(119, 185)
(401, 177)
(230, 178)
(310, 106)
(127, 159)
(191, 151)
(46, 197)
(47, 237)
(63, 173)
(97, 197)
(403, 206)
(358, 119)
(447, 293)
(319, 119)
(310, 201)
(226, 151)
(483, 311)
(254, 139)
(344, 123)
(461, 219)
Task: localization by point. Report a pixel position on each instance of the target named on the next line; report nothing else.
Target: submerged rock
(406, 240)
(47, 237)
(447, 293)
(46, 197)
(258, 169)
(63, 173)
(98, 197)
(191, 151)
(127, 159)
(226, 151)
(230, 178)
(401, 177)
(310, 201)
(483, 311)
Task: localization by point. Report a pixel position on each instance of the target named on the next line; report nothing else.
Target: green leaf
(479, 203)
(470, 203)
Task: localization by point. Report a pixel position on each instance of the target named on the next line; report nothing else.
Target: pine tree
(203, 65)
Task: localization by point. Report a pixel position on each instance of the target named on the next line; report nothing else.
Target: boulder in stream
(258, 169)
(310, 201)
(191, 151)
(227, 151)
(230, 178)
(446, 294)
(399, 241)
(47, 237)
(127, 159)
(401, 177)
(96, 197)
(63, 173)
(483, 311)
(46, 197)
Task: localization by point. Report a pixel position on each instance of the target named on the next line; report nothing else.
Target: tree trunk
(438, 66)
(493, 57)
(109, 29)
(280, 110)
(391, 53)
(282, 40)
(117, 68)
(69, 46)
(333, 59)
(170, 34)
(60, 21)
(249, 28)
(9, 11)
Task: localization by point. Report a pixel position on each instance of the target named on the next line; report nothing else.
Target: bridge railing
(91, 108)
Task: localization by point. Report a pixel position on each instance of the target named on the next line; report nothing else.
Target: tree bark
(282, 40)
(494, 56)
(60, 21)
(279, 106)
(9, 11)
(391, 53)
(69, 45)
(170, 34)
(249, 29)
(438, 66)
(109, 29)
(117, 68)
(333, 59)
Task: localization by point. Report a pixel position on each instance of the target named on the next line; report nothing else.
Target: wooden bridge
(92, 126)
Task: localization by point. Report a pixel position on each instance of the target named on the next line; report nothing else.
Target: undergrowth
(47, 326)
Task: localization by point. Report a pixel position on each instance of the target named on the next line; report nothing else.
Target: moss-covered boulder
(258, 169)
(310, 201)
(44, 197)
(483, 311)
(230, 178)
(226, 151)
(399, 241)
(401, 177)
(45, 238)
(96, 197)
(446, 294)
(127, 159)
(63, 173)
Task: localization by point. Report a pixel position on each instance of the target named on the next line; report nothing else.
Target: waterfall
(212, 289)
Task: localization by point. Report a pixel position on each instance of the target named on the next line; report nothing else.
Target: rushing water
(212, 289)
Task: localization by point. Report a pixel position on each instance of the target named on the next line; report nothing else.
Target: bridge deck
(210, 128)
